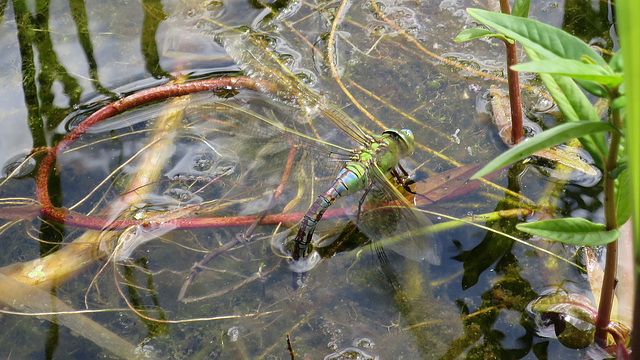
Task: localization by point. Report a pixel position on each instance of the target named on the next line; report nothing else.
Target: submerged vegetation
(156, 218)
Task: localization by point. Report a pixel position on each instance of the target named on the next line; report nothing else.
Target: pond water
(215, 159)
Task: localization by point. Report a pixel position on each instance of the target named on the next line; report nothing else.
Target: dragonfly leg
(360, 203)
(402, 179)
(405, 174)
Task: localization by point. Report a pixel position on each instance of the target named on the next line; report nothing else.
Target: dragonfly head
(404, 140)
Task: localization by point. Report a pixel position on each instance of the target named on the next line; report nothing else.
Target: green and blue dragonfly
(263, 128)
(363, 163)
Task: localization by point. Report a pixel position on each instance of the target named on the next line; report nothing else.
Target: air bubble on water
(364, 343)
(179, 194)
(143, 351)
(332, 345)
(306, 264)
(19, 166)
(203, 162)
(350, 353)
(233, 333)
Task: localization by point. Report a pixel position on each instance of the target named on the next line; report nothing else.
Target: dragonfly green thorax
(393, 146)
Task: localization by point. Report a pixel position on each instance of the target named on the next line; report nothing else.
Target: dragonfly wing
(261, 133)
(395, 223)
(253, 55)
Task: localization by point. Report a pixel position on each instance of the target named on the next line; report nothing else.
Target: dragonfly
(372, 161)
(360, 163)
(366, 163)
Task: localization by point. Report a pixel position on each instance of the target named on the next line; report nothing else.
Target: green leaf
(575, 106)
(594, 88)
(576, 305)
(616, 62)
(572, 68)
(618, 103)
(546, 40)
(574, 231)
(622, 166)
(623, 197)
(546, 139)
(477, 33)
(521, 8)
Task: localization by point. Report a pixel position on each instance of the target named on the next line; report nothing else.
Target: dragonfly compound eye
(404, 140)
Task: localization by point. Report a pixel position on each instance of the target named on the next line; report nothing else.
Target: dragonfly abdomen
(352, 178)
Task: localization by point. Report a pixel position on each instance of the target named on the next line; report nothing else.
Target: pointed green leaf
(572, 107)
(576, 305)
(548, 41)
(546, 139)
(623, 197)
(477, 33)
(521, 8)
(616, 62)
(575, 106)
(572, 68)
(593, 88)
(619, 103)
(574, 231)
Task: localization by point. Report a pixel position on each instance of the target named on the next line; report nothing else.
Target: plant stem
(611, 266)
(514, 84)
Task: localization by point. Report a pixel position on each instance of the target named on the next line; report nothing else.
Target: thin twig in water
(257, 275)
(290, 348)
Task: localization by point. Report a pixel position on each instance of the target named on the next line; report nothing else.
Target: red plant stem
(514, 85)
(611, 222)
(143, 97)
(514, 95)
